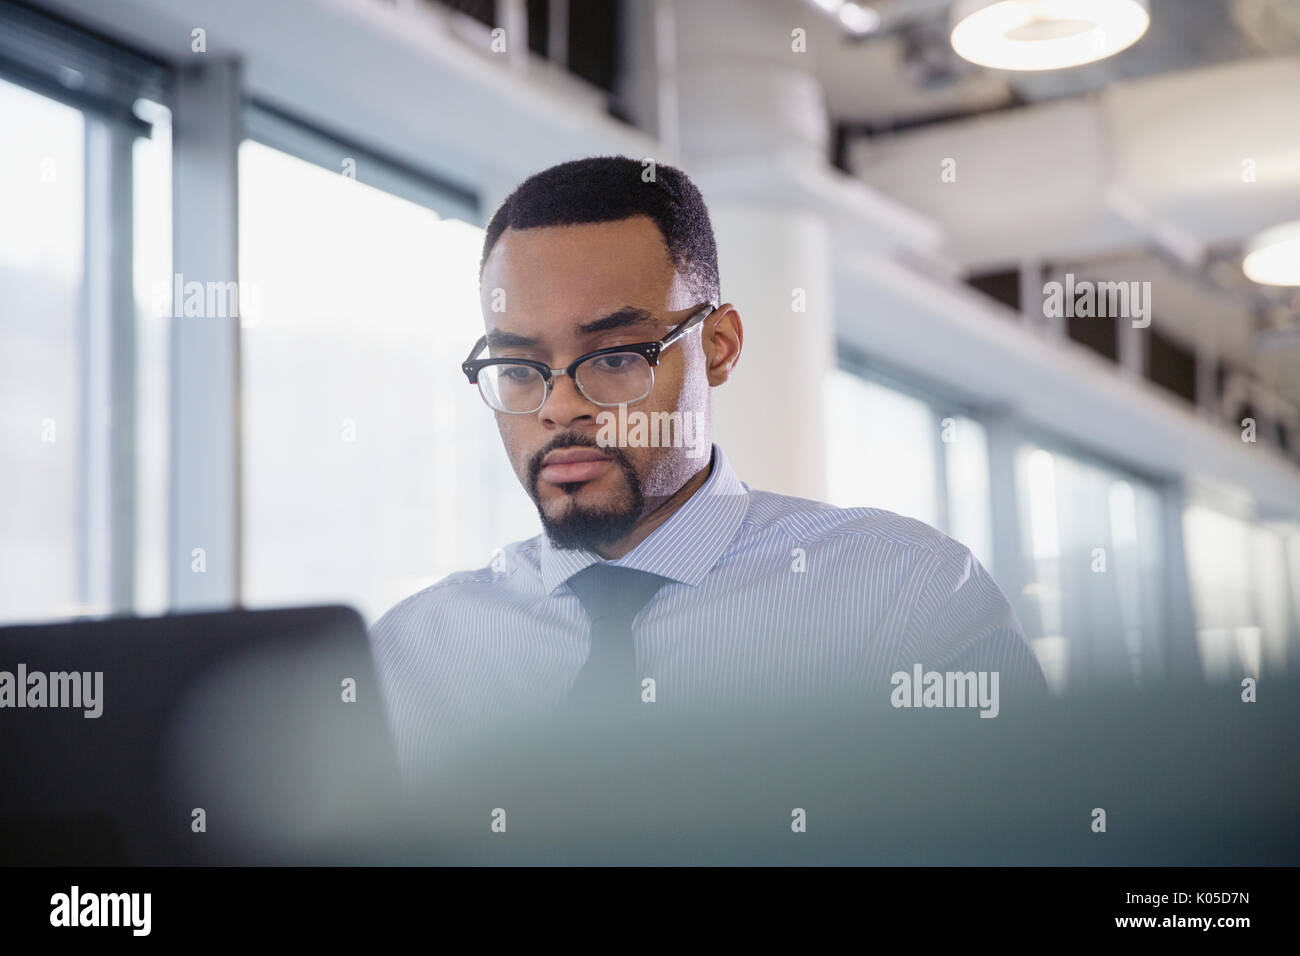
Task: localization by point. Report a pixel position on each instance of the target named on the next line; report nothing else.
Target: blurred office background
(888, 214)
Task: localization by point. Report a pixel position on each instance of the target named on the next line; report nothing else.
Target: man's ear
(722, 336)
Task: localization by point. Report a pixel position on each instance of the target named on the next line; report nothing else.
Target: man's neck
(657, 515)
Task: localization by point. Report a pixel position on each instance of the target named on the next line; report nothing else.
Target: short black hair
(610, 188)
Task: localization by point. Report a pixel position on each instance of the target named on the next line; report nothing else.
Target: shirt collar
(684, 548)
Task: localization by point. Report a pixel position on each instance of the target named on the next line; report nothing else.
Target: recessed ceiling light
(1045, 34)
(1273, 257)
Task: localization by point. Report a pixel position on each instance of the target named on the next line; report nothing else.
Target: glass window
(892, 450)
(966, 451)
(42, 243)
(882, 448)
(152, 214)
(1094, 591)
(1238, 573)
(85, 233)
(370, 468)
(1269, 563)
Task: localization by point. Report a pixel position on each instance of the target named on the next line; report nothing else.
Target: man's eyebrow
(498, 339)
(628, 315)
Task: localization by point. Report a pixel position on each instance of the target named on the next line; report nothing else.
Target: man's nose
(566, 405)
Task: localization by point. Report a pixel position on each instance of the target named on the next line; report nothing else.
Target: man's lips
(573, 464)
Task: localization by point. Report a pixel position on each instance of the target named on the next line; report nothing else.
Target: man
(661, 579)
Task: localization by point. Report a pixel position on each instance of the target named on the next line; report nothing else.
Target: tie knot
(608, 591)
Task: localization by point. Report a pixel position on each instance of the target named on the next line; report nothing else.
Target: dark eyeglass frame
(650, 351)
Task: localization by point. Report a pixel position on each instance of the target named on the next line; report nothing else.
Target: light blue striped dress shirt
(771, 598)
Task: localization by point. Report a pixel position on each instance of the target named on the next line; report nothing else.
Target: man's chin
(575, 522)
(587, 494)
(594, 514)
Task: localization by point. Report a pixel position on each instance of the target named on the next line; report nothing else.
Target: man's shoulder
(821, 523)
(459, 586)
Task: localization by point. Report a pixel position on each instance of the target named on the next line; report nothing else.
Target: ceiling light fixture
(1273, 257)
(859, 19)
(1045, 34)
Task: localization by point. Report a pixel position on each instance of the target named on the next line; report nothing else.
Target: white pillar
(769, 418)
(744, 100)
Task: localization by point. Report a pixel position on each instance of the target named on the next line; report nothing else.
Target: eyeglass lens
(613, 379)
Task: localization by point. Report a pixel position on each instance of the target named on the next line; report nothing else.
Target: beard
(580, 526)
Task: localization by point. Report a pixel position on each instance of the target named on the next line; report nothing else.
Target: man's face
(569, 290)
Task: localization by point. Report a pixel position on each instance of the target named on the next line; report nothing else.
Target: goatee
(580, 526)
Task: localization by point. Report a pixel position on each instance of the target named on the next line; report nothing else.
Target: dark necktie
(612, 596)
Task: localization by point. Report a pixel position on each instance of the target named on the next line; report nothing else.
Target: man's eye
(517, 373)
(615, 363)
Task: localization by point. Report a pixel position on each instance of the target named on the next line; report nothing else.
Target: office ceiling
(907, 73)
(1161, 162)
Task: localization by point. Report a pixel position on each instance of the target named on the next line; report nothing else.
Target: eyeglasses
(619, 375)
